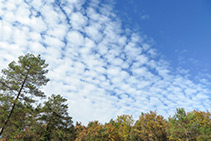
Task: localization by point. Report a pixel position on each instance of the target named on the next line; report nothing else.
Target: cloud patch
(101, 69)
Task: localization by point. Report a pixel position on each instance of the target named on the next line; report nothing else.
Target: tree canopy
(24, 118)
(20, 83)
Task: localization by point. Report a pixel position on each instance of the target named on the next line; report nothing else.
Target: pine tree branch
(13, 106)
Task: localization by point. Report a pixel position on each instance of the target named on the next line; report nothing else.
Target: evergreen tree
(18, 121)
(182, 126)
(56, 123)
(20, 83)
(190, 126)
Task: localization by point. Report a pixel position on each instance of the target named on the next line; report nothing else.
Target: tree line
(22, 117)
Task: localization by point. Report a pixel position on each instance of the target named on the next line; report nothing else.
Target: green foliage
(21, 120)
(16, 123)
(94, 131)
(190, 126)
(28, 74)
(124, 124)
(81, 132)
(19, 83)
(150, 126)
(112, 131)
(56, 123)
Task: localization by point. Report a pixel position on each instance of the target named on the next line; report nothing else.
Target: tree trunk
(13, 106)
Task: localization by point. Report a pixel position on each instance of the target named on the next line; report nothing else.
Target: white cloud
(102, 69)
(78, 20)
(76, 38)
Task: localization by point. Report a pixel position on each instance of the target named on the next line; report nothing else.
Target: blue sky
(110, 58)
(181, 29)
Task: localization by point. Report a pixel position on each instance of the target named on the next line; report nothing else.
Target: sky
(181, 30)
(113, 57)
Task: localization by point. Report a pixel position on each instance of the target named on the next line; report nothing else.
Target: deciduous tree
(150, 127)
(124, 123)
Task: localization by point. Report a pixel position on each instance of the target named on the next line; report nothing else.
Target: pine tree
(182, 126)
(56, 122)
(20, 83)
